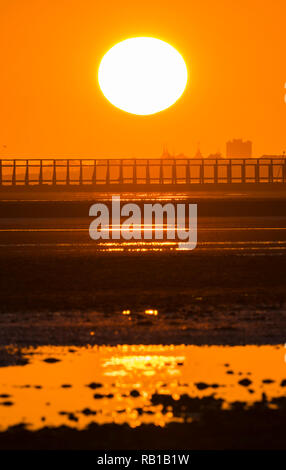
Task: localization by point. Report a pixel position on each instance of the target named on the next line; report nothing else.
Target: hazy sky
(51, 105)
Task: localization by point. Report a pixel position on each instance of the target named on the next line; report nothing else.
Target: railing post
(121, 172)
(243, 171)
(80, 173)
(270, 172)
(284, 171)
(148, 172)
(27, 173)
(202, 172)
(229, 172)
(41, 172)
(68, 173)
(216, 172)
(14, 173)
(107, 181)
(135, 171)
(161, 179)
(54, 173)
(94, 173)
(174, 172)
(257, 172)
(280, 169)
(188, 173)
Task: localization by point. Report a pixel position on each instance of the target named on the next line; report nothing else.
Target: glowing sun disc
(142, 75)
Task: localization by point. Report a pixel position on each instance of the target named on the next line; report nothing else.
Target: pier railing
(106, 172)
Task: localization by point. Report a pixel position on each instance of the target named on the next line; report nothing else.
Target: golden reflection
(137, 246)
(151, 312)
(204, 246)
(79, 385)
(126, 312)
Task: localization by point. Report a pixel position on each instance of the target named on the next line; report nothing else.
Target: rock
(88, 412)
(94, 385)
(245, 382)
(201, 385)
(51, 360)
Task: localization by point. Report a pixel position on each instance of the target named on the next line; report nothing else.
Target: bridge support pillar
(228, 170)
(68, 173)
(188, 173)
(216, 172)
(284, 171)
(243, 172)
(148, 173)
(94, 173)
(107, 180)
(54, 173)
(134, 172)
(14, 173)
(80, 173)
(257, 173)
(270, 172)
(161, 179)
(202, 172)
(174, 173)
(41, 172)
(121, 172)
(27, 173)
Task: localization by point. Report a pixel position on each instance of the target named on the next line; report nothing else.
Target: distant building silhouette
(198, 154)
(215, 156)
(238, 148)
(166, 154)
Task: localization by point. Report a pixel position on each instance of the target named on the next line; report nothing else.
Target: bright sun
(142, 75)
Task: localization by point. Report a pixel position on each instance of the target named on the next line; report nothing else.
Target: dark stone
(88, 412)
(51, 360)
(245, 382)
(201, 385)
(94, 385)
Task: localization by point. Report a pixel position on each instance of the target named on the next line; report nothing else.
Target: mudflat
(58, 289)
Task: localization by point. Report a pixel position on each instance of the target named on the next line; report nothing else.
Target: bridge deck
(140, 172)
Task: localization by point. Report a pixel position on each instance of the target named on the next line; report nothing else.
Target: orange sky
(51, 105)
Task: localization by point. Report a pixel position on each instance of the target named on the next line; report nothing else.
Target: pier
(101, 174)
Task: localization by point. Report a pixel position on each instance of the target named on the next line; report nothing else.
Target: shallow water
(75, 386)
(240, 235)
(49, 195)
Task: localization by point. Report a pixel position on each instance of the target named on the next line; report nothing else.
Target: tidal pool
(132, 384)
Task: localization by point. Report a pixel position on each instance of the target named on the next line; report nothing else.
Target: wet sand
(62, 294)
(235, 429)
(60, 289)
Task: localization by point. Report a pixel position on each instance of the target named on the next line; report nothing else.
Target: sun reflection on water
(133, 384)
